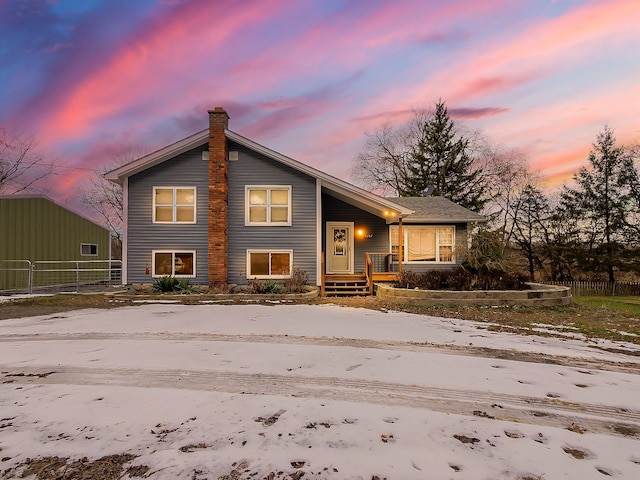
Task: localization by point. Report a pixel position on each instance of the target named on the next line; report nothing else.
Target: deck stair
(345, 285)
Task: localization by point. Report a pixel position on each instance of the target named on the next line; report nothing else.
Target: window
(174, 205)
(88, 249)
(267, 205)
(269, 264)
(174, 263)
(424, 244)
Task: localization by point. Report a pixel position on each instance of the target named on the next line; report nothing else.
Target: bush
(265, 287)
(294, 284)
(297, 283)
(460, 279)
(169, 284)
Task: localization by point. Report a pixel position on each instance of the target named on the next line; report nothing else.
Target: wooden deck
(354, 284)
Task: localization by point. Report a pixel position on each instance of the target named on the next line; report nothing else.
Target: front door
(339, 256)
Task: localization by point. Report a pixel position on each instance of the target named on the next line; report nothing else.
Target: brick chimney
(218, 198)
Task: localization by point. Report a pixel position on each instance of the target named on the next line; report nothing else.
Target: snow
(196, 391)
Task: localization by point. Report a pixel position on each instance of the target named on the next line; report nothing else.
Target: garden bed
(142, 296)
(535, 294)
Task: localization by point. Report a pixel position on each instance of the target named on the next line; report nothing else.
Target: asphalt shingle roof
(436, 209)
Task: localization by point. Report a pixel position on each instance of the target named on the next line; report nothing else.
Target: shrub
(460, 279)
(297, 282)
(169, 284)
(265, 286)
(408, 279)
(165, 284)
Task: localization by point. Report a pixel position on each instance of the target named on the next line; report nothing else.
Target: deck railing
(322, 274)
(368, 271)
(384, 262)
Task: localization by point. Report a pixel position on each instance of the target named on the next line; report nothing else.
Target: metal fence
(600, 288)
(53, 276)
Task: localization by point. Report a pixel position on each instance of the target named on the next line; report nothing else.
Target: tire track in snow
(523, 409)
(464, 350)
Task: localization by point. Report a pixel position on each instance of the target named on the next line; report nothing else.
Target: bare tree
(104, 197)
(22, 164)
(431, 152)
(383, 164)
(506, 175)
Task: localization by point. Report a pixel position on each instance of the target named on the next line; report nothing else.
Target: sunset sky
(309, 78)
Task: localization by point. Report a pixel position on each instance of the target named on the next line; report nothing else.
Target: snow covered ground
(300, 391)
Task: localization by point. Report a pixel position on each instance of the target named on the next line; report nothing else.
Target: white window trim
(175, 205)
(405, 242)
(88, 254)
(268, 188)
(173, 259)
(274, 277)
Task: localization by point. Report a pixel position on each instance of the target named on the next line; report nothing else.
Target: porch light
(360, 233)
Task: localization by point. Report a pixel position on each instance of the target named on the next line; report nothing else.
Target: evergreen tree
(601, 201)
(441, 159)
(427, 154)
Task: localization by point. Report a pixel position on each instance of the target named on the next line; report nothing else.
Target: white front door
(339, 256)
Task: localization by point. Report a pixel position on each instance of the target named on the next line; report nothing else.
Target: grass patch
(616, 321)
(47, 305)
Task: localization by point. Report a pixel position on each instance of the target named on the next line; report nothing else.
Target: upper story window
(268, 205)
(174, 204)
(423, 244)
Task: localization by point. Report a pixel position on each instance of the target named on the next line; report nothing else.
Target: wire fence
(54, 276)
(600, 288)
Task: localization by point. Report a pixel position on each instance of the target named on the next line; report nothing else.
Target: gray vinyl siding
(252, 168)
(185, 170)
(334, 210)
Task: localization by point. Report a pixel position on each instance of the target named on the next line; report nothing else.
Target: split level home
(219, 209)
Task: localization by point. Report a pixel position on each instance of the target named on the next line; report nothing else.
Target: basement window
(269, 263)
(174, 263)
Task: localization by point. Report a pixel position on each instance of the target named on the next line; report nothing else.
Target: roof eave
(345, 189)
(152, 159)
(328, 181)
(444, 220)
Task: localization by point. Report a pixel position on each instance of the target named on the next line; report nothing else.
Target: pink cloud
(544, 48)
(151, 63)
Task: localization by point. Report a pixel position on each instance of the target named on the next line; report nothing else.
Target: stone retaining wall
(537, 294)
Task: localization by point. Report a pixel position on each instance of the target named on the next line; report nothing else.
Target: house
(35, 230)
(219, 208)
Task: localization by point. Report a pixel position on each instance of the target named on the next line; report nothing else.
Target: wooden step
(345, 278)
(345, 285)
(346, 293)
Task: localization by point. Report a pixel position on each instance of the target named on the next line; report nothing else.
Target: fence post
(30, 277)
(77, 277)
